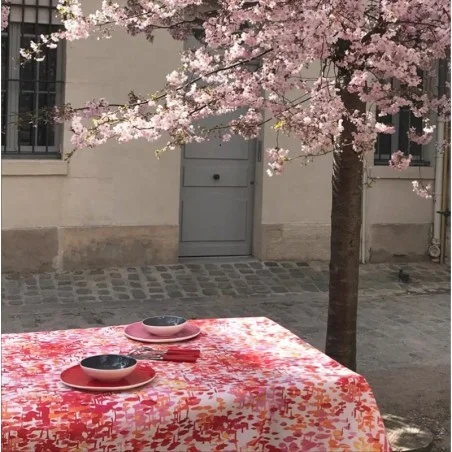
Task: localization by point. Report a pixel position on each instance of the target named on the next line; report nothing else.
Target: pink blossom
(257, 62)
(5, 16)
(277, 159)
(399, 161)
(94, 108)
(384, 128)
(176, 78)
(425, 138)
(420, 190)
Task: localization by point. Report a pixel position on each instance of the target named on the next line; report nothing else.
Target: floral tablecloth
(256, 387)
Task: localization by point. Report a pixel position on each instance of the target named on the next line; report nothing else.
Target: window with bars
(30, 89)
(387, 144)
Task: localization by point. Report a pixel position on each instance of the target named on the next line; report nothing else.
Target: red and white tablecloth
(256, 387)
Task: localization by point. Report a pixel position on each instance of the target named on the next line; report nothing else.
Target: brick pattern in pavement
(187, 281)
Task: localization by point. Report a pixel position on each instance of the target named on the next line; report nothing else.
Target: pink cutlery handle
(180, 358)
(181, 351)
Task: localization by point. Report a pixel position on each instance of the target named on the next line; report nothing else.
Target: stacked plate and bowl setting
(118, 372)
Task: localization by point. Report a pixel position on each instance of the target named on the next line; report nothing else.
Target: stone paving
(207, 280)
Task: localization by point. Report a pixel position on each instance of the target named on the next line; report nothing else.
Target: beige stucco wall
(296, 210)
(113, 185)
(398, 222)
(296, 206)
(132, 187)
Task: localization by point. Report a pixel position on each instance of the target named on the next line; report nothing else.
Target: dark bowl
(164, 325)
(108, 367)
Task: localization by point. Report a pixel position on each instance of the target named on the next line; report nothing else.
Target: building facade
(119, 205)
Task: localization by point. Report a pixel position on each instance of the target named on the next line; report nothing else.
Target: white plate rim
(108, 389)
(163, 339)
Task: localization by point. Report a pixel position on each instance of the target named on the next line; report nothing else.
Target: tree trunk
(345, 244)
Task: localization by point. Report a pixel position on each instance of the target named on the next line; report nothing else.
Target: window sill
(413, 173)
(34, 168)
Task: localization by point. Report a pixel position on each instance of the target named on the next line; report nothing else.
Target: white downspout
(438, 190)
(434, 249)
(363, 219)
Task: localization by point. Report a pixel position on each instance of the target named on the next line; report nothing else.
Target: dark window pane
(4, 84)
(27, 68)
(50, 139)
(47, 87)
(27, 86)
(29, 29)
(26, 108)
(404, 125)
(48, 67)
(25, 135)
(4, 58)
(45, 131)
(33, 30)
(27, 71)
(416, 149)
(3, 118)
(44, 29)
(26, 103)
(384, 141)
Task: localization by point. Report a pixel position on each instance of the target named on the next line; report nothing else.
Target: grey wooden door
(217, 196)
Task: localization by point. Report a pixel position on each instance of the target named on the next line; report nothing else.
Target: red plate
(138, 332)
(76, 378)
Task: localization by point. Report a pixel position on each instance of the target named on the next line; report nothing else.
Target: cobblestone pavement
(207, 280)
(403, 328)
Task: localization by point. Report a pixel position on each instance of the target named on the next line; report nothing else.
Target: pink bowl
(164, 325)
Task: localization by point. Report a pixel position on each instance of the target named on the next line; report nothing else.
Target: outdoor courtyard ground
(403, 331)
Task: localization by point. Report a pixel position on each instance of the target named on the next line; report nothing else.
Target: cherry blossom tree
(5, 16)
(258, 55)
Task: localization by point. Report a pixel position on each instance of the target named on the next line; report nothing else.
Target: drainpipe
(435, 250)
(363, 219)
(445, 204)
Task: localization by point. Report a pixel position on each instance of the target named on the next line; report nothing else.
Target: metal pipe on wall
(445, 197)
(435, 248)
(363, 218)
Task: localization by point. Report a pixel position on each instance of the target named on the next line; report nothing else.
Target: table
(256, 387)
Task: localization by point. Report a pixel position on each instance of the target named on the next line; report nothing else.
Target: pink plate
(76, 378)
(138, 332)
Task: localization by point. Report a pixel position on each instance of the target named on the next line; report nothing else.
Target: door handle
(216, 176)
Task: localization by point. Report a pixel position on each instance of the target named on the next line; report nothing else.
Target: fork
(179, 355)
(171, 350)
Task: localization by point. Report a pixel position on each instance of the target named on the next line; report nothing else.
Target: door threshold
(216, 259)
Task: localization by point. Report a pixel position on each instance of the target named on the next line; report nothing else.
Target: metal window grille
(31, 89)
(387, 144)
